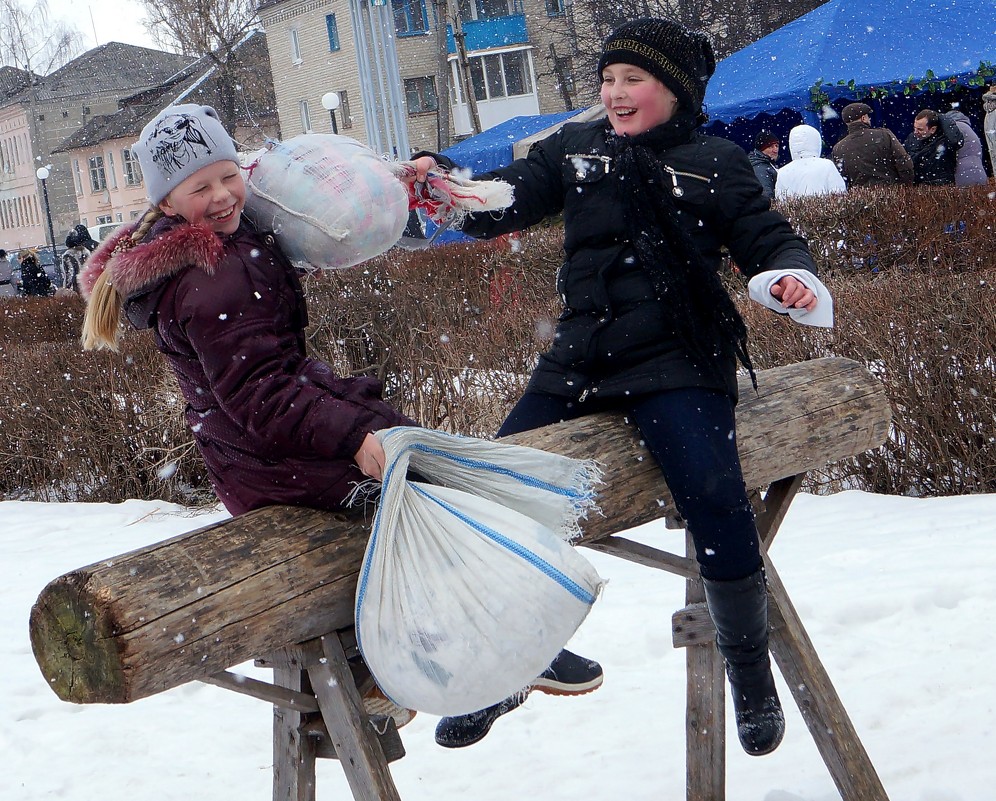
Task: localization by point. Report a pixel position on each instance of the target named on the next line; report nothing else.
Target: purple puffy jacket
(273, 425)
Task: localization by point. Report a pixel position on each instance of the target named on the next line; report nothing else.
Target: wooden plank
(821, 707)
(353, 738)
(705, 713)
(140, 623)
(692, 625)
(646, 555)
(387, 737)
(293, 752)
(298, 656)
(776, 505)
(272, 693)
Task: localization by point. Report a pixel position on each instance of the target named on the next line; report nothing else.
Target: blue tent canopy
(870, 42)
(492, 148)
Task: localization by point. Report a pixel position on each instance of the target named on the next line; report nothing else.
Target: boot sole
(551, 687)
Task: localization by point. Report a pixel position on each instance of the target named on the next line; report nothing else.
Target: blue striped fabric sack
(469, 586)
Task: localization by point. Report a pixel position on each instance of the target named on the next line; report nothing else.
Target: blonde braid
(148, 220)
(102, 321)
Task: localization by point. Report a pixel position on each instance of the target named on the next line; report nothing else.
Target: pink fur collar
(136, 266)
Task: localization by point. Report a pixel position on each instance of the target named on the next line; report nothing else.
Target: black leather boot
(739, 609)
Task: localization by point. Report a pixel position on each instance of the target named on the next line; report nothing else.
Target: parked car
(101, 231)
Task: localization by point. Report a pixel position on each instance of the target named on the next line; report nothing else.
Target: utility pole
(562, 78)
(442, 78)
(468, 86)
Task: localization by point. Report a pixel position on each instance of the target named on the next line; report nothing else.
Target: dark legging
(692, 435)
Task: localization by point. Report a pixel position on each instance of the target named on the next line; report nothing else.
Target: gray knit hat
(679, 58)
(176, 143)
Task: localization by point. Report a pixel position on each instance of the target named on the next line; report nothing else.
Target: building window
(420, 95)
(501, 75)
(98, 180)
(333, 29)
(555, 8)
(305, 116)
(295, 44)
(410, 17)
(103, 219)
(77, 177)
(132, 169)
(471, 10)
(112, 176)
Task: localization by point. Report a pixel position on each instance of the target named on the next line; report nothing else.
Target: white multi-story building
(381, 62)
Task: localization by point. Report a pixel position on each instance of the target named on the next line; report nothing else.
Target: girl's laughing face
(636, 101)
(215, 195)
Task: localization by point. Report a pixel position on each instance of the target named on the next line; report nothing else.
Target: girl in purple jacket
(227, 311)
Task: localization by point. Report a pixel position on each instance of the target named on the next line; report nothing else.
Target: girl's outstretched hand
(422, 166)
(793, 294)
(371, 457)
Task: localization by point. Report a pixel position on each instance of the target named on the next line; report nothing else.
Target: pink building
(22, 219)
(108, 180)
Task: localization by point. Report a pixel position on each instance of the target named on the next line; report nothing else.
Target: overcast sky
(103, 21)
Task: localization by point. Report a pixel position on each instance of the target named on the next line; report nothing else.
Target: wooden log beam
(192, 606)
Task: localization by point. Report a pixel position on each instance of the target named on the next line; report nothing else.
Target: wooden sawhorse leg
(692, 628)
(318, 712)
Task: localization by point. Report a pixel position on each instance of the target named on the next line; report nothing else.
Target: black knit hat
(679, 58)
(764, 139)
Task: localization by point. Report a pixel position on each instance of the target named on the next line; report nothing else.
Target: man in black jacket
(933, 146)
(762, 159)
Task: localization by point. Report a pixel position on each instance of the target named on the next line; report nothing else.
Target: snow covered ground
(898, 595)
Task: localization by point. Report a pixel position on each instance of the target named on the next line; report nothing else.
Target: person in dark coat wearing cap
(762, 158)
(648, 328)
(869, 156)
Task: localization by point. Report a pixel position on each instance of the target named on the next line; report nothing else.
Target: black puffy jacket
(612, 337)
(935, 157)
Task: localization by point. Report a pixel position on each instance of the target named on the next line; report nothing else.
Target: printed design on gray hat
(177, 140)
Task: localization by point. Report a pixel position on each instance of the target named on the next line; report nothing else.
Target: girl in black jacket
(648, 328)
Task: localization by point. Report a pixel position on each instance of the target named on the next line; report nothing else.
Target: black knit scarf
(698, 306)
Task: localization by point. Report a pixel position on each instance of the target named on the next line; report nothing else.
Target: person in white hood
(807, 173)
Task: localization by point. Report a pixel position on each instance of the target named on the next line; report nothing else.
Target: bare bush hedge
(453, 332)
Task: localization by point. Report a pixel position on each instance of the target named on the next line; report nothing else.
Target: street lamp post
(42, 173)
(331, 101)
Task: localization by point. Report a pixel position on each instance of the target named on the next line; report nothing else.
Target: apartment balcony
(484, 34)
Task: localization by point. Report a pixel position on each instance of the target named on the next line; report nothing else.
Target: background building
(39, 116)
(108, 185)
(383, 62)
